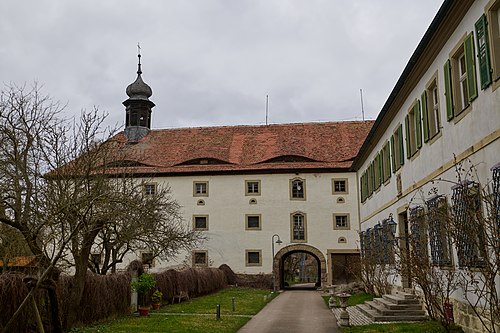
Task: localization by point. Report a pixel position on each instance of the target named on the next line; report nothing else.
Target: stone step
(400, 300)
(392, 306)
(382, 310)
(376, 317)
(405, 295)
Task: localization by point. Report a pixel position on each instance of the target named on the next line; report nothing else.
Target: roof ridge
(264, 125)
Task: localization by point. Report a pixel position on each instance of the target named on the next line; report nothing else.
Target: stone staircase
(396, 307)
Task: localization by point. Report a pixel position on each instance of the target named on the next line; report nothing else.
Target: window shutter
(425, 116)
(418, 124)
(470, 62)
(362, 189)
(393, 155)
(447, 90)
(408, 139)
(401, 145)
(379, 167)
(483, 50)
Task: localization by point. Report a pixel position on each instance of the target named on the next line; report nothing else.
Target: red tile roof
(327, 145)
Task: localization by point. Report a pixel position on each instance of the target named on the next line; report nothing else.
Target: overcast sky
(212, 62)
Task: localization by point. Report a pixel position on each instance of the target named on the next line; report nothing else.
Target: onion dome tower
(138, 108)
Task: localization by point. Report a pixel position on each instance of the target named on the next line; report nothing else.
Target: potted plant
(156, 299)
(142, 286)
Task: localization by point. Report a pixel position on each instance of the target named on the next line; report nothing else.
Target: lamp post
(278, 241)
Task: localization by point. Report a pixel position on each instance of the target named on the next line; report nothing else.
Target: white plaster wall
(227, 206)
(482, 120)
(480, 125)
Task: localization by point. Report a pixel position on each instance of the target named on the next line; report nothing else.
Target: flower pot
(156, 306)
(143, 312)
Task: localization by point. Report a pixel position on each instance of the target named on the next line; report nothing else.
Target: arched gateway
(279, 258)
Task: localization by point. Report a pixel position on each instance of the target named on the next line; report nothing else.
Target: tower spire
(139, 71)
(138, 106)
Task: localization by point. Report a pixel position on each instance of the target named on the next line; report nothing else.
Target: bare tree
(61, 189)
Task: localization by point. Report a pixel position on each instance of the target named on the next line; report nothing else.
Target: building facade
(435, 144)
(252, 190)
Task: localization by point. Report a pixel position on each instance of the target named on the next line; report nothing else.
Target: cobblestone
(356, 317)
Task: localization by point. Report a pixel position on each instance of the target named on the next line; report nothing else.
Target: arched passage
(279, 258)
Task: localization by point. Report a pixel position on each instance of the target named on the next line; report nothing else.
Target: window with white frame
(297, 189)
(341, 221)
(397, 150)
(430, 110)
(252, 187)
(460, 77)
(200, 189)
(298, 227)
(413, 128)
(339, 186)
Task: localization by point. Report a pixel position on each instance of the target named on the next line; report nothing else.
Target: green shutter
(418, 124)
(425, 116)
(470, 62)
(483, 50)
(447, 90)
(401, 145)
(393, 154)
(361, 179)
(408, 138)
(387, 162)
(379, 169)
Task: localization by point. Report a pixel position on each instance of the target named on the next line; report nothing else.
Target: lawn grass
(248, 301)
(353, 300)
(195, 315)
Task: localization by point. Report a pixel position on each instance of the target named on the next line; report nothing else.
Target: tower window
(299, 227)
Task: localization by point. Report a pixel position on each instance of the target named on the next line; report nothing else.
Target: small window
(253, 222)
(398, 158)
(147, 259)
(201, 202)
(341, 221)
(252, 201)
(342, 240)
(339, 186)
(200, 258)
(253, 257)
(200, 222)
(386, 162)
(150, 189)
(430, 110)
(340, 200)
(413, 128)
(200, 189)
(298, 227)
(297, 189)
(252, 187)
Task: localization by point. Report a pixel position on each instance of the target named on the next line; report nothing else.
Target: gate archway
(282, 254)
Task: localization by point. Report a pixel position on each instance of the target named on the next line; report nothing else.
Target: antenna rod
(362, 108)
(267, 107)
